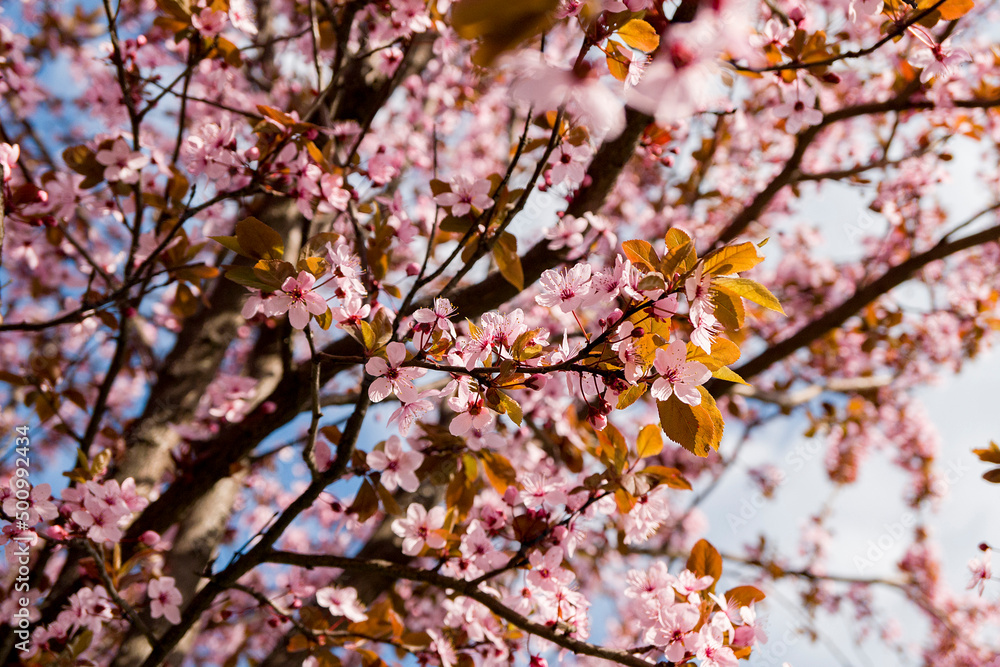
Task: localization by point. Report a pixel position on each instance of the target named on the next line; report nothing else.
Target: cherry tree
(340, 332)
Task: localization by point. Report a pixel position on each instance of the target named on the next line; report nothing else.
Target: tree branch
(465, 588)
(862, 296)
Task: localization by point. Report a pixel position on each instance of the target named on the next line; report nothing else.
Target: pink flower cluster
(298, 296)
(671, 607)
(98, 510)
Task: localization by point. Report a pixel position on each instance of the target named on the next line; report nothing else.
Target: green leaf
(83, 161)
(729, 310)
(732, 259)
(750, 290)
(230, 243)
(511, 407)
(639, 35)
(724, 353)
(500, 26)
(630, 395)
(678, 259)
(508, 261)
(675, 237)
(258, 240)
(246, 276)
(672, 477)
(367, 335)
(690, 426)
(498, 470)
(316, 245)
(388, 502)
(729, 375)
(641, 254)
(649, 442)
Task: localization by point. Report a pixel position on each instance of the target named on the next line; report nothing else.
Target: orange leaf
(955, 9)
(705, 561)
(639, 35)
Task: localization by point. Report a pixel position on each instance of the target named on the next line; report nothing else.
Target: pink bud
(510, 496)
(56, 533)
(252, 153)
(149, 538)
(412, 269)
(268, 407)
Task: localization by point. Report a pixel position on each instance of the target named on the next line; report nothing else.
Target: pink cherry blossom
(351, 312)
(398, 467)
(466, 194)
(241, 15)
(121, 163)
(333, 195)
(470, 412)
(565, 289)
(707, 646)
(799, 110)
(209, 22)
(623, 345)
(341, 602)
(569, 164)
(868, 8)
(164, 599)
(678, 376)
(439, 316)
(547, 572)
(407, 413)
(8, 159)
(697, 288)
(688, 582)
(550, 87)
(420, 528)
(981, 571)
(391, 378)
(543, 491)
(298, 299)
(40, 505)
(938, 61)
(674, 623)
